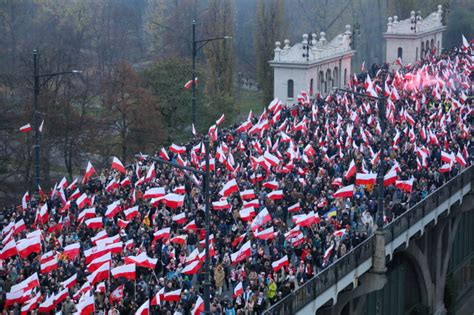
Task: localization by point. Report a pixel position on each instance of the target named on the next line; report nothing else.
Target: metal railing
(308, 292)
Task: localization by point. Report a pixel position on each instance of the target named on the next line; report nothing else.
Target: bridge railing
(427, 205)
(308, 292)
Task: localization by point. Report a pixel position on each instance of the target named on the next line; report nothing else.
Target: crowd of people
(291, 191)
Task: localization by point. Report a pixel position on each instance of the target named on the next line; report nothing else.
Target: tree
(220, 53)
(133, 112)
(270, 28)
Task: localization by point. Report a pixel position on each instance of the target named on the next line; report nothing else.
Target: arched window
(320, 81)
(311, 87)
(345, 77)
(422, 51)
(432, 43)
(416, 56)
(290, 89)
(400, 53)
(327, 82)
(427, 48)
(437, 50)
(335, 76)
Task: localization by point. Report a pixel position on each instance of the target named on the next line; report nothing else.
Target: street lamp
(197, 45)
(381, 173)
(206, 175)
(37, 86)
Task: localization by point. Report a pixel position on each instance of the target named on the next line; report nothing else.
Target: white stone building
(414, 38)
(314, 65)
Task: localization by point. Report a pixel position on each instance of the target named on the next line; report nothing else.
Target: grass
(246, 101)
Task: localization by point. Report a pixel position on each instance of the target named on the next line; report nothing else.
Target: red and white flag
(99, 261)
(117, 294)
(191, 268)
(180, 239)
(142, 260)
(275, 195)
(247, 214)
(179, 218)
(94, 223)
(390, 178)
(271, 159)
(280, 263)
(29, 245)
(26, 128)
(243, 253)
(117, 165)
(70, 282)
(154, 192)
(172, 296)
(198, 306)
(189, 84)
(125, 271)
(177, 149)
(220, 205)
(85, 306)
(266, 234)
(247, 194)
(174, 200)
(90, 170)
(130, 213)
(238, 290)
(261, 218)
(162, 234)
(405, 185)
(351, 171)
(113, 209)
(365, 179)
(294, 208)
(220, 120)
(49, 265)
(344, 192)
(229, 188)
(102, 273)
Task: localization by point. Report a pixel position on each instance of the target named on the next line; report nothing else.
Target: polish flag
(405, 185)
(229, 188)
(189, 84)
(49, 265)
(82, 201)
(20, 226)
(164, 155)
(108, 240)
(174, 200)
(94, 223)
(27, 284)
(117, 165)
(198, 307)
(179, 190)
(72, 251)
(99, 236)
(86, 287)
(113, 209)
(112, 185)
(460, 159)
(190, 226)
(243, 253)
(125, 271)
(180, 239)
(89, 172)
(247, 194)
(220, 205)
(447, 157)
(47, 305)
(306, 219)
(266, 234)
(26, 128)
(238, 290)
(365, 179)
(328, 252)
(144, 309)
(102, 273)
(24, 201)
(252, 203)
(247, 214)
(142, 260)
(117, 294)
(43, 214)
(86, 305)
(177, 149)
(271, 159)
(294, 208)
(179, 218)
(261, 218)
(280, 263)
(154, 192)
(344, 192)
(390, 178)
(29, 245)
(122, 224)
(220, 120)
(340, 232)
(172, 296)
(191, 268)
(8, 250)
(31, 304)
(70, 282)
(61, 296)
(275, 195)
(445, 168)
(351, 171)
(125, 182)
(337, 182)
(238, 239)
(162, 234)
(130, 213)
(99, 261)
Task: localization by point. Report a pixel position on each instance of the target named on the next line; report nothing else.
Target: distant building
(314, 65)
(414, 38)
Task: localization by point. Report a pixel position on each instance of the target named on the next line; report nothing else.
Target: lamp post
(381, 172)
(197, 45)
(206, 179)
(37, 86)
(415, 18)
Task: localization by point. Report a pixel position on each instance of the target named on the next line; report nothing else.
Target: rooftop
(416, 24)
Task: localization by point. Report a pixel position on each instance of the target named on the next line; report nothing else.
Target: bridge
(418, 263)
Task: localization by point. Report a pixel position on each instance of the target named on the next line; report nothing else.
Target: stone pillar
(379, 252)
